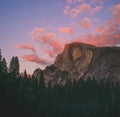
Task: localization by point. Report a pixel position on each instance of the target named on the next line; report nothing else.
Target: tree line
(24, 96)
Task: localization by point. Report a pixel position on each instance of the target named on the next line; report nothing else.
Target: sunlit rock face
(75, 58)
(74, 55)
(72, 63)
(80, 60)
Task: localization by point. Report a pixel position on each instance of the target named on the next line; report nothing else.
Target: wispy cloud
(116, 13)
(36, 59)
(40, 34)
(98, 29)
(49, 41)
(82, 6)
(108, 33)
(86, 23)
(67, 30)
(26, 46)
(95, 10)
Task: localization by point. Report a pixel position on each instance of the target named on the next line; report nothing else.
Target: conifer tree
(4, 66)
(11, 67)
(14, 66)
(0, 55)
(17, 66)
(0, 61)
(25, 74)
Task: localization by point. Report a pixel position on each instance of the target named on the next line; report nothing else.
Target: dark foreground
(26, 97)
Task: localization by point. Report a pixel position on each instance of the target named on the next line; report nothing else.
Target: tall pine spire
(4, 66)
(14, 66)
(0, 61)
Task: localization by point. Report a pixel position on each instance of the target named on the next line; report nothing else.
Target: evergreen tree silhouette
(4, 66)
(0, 61)
(14, 67)
(25, 74)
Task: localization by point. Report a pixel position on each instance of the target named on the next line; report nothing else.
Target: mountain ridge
(81, 60)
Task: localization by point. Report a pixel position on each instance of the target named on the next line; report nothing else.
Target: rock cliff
(80, 60)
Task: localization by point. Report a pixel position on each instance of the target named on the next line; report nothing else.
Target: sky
(37, 30)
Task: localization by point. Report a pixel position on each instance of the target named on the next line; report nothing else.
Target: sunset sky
(37, 30)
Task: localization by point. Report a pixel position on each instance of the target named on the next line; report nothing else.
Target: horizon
(36, 31)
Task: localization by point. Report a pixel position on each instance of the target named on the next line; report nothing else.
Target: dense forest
(23, 96)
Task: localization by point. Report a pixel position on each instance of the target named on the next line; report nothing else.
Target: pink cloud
(41, 34)
(35, 58)
(66, 10)
(95, 10)
(106, 34)
(116, 13)
(98, 40)
(26, 46)
(55, 48)
(51, 53)
(86, 23)
(80, 9)
(117, 36)
(57, 45)
(99, 29)
(50, 43)
(38, 30)
(68, 30)
(84, 7)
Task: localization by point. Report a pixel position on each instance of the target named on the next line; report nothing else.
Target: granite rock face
(105, 64)
(80, 60)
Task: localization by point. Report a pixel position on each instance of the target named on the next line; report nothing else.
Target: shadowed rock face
(80, 60)
(37, 74)
(105, 64)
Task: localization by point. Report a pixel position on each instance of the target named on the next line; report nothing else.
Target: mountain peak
(74, 54)
(69, 45)
(81, 60)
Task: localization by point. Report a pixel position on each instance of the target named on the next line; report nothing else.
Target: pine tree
(4, 66)
(25, 74)
(0, 61)
(17, 66)
(0, 55)
(11, 67)
(14, 66)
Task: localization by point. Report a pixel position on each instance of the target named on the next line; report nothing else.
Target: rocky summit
(80, 60)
